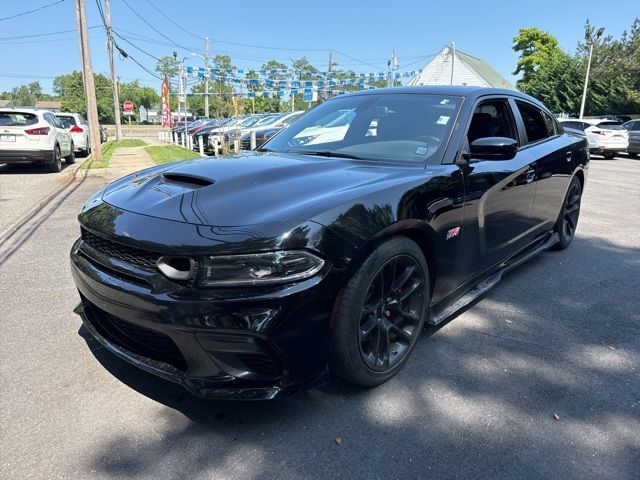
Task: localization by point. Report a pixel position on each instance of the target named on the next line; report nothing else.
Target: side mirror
(493, 148)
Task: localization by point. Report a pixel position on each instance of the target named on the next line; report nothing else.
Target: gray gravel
(558, 336)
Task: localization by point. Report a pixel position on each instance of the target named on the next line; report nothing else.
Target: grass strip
(170, 153)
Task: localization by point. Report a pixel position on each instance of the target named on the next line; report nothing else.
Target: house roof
(49, 104)
(465, 70)
(6, 103)
(485, 70)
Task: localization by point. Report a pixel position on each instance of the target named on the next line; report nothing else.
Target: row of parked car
(228, 130)
(29, 135)
(607, 136)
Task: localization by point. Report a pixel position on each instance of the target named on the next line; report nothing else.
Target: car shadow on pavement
(538, 380)
(28, 169)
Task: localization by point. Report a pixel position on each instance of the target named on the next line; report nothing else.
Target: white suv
(34, 136)
(606, 137)
(79, 129)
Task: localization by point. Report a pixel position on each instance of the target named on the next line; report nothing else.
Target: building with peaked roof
(53, 105)
(5, 103)
(453, 67)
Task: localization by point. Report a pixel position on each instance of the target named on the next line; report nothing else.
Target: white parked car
(606, 137)
(34, 136)
(79, 129)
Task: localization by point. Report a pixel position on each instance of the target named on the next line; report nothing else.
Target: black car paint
(340, 209)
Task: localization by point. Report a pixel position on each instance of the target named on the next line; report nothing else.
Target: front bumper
(183, 335)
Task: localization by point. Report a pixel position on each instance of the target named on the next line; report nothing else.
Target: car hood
(253, 188)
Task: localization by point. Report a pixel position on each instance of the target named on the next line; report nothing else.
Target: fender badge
(453, 232)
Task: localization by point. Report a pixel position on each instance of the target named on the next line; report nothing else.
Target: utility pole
(452, 49)
(331, 62)
(591, 39)
(206, 77)
(90, 90)
(114, 77)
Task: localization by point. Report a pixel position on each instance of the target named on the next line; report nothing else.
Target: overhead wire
(31, 11)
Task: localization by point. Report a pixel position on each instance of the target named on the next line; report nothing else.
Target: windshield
(400, 127)
(67, 121)
(268, 120)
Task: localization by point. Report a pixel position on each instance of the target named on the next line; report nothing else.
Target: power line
(31, 11)
(172, 21)
(151, 26)
(18, 37)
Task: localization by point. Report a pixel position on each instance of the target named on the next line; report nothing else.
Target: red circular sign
(127, 106)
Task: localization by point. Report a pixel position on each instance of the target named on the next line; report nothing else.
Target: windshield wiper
(326, 153)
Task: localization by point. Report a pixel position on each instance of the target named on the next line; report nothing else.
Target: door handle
(568, 156)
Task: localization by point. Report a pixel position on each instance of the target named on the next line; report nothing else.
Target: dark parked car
(262, 136)
(253, 276)
(633, 127)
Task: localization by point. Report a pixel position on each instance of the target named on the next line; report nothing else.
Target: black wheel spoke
(402, 335)
(572, 208)
(571, 222)
(383, 346)
(402, 280)
(410, 290)
(368, 327)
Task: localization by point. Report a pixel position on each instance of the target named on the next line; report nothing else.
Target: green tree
(535, 48)
(26, 95)
(70, 89)
(168, 66)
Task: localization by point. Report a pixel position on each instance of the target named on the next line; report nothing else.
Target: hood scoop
(195, 182)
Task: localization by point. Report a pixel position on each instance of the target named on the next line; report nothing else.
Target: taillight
(76, 129)
(37, 131)
(598, 132)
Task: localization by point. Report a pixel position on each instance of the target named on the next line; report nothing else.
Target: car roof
(468, 91)
(24, 110)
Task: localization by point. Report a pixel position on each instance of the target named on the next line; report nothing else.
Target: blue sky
(361, 34)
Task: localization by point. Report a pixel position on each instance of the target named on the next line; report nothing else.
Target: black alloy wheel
(381, 314)
(568, 220)
(609, 156)
(56, 162)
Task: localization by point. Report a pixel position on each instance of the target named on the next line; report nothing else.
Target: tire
(568, 219)
(371, 314)
(632, 155)
(56, 161)
(71, 158)
(609, 156)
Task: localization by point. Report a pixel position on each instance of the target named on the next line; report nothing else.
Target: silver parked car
(633, 127)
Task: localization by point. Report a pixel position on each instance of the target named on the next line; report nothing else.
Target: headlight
(259, 269)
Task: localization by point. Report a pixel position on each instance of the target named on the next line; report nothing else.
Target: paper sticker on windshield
(422, 150)
(444, 101)
(443, 120)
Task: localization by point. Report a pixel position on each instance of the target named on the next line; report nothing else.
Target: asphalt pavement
(538, 380)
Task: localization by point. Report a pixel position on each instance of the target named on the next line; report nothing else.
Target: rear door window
(534, 123)
(17, 119)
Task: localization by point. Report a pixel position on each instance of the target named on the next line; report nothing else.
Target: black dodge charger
(329, 248)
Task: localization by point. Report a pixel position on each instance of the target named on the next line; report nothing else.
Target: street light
(591, 39)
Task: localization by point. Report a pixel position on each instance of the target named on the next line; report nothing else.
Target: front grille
(139, 340)
(142, 259)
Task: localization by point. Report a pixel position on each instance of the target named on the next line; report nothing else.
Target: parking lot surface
(539, 379)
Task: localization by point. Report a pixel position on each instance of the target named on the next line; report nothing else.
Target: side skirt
(441, 313)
